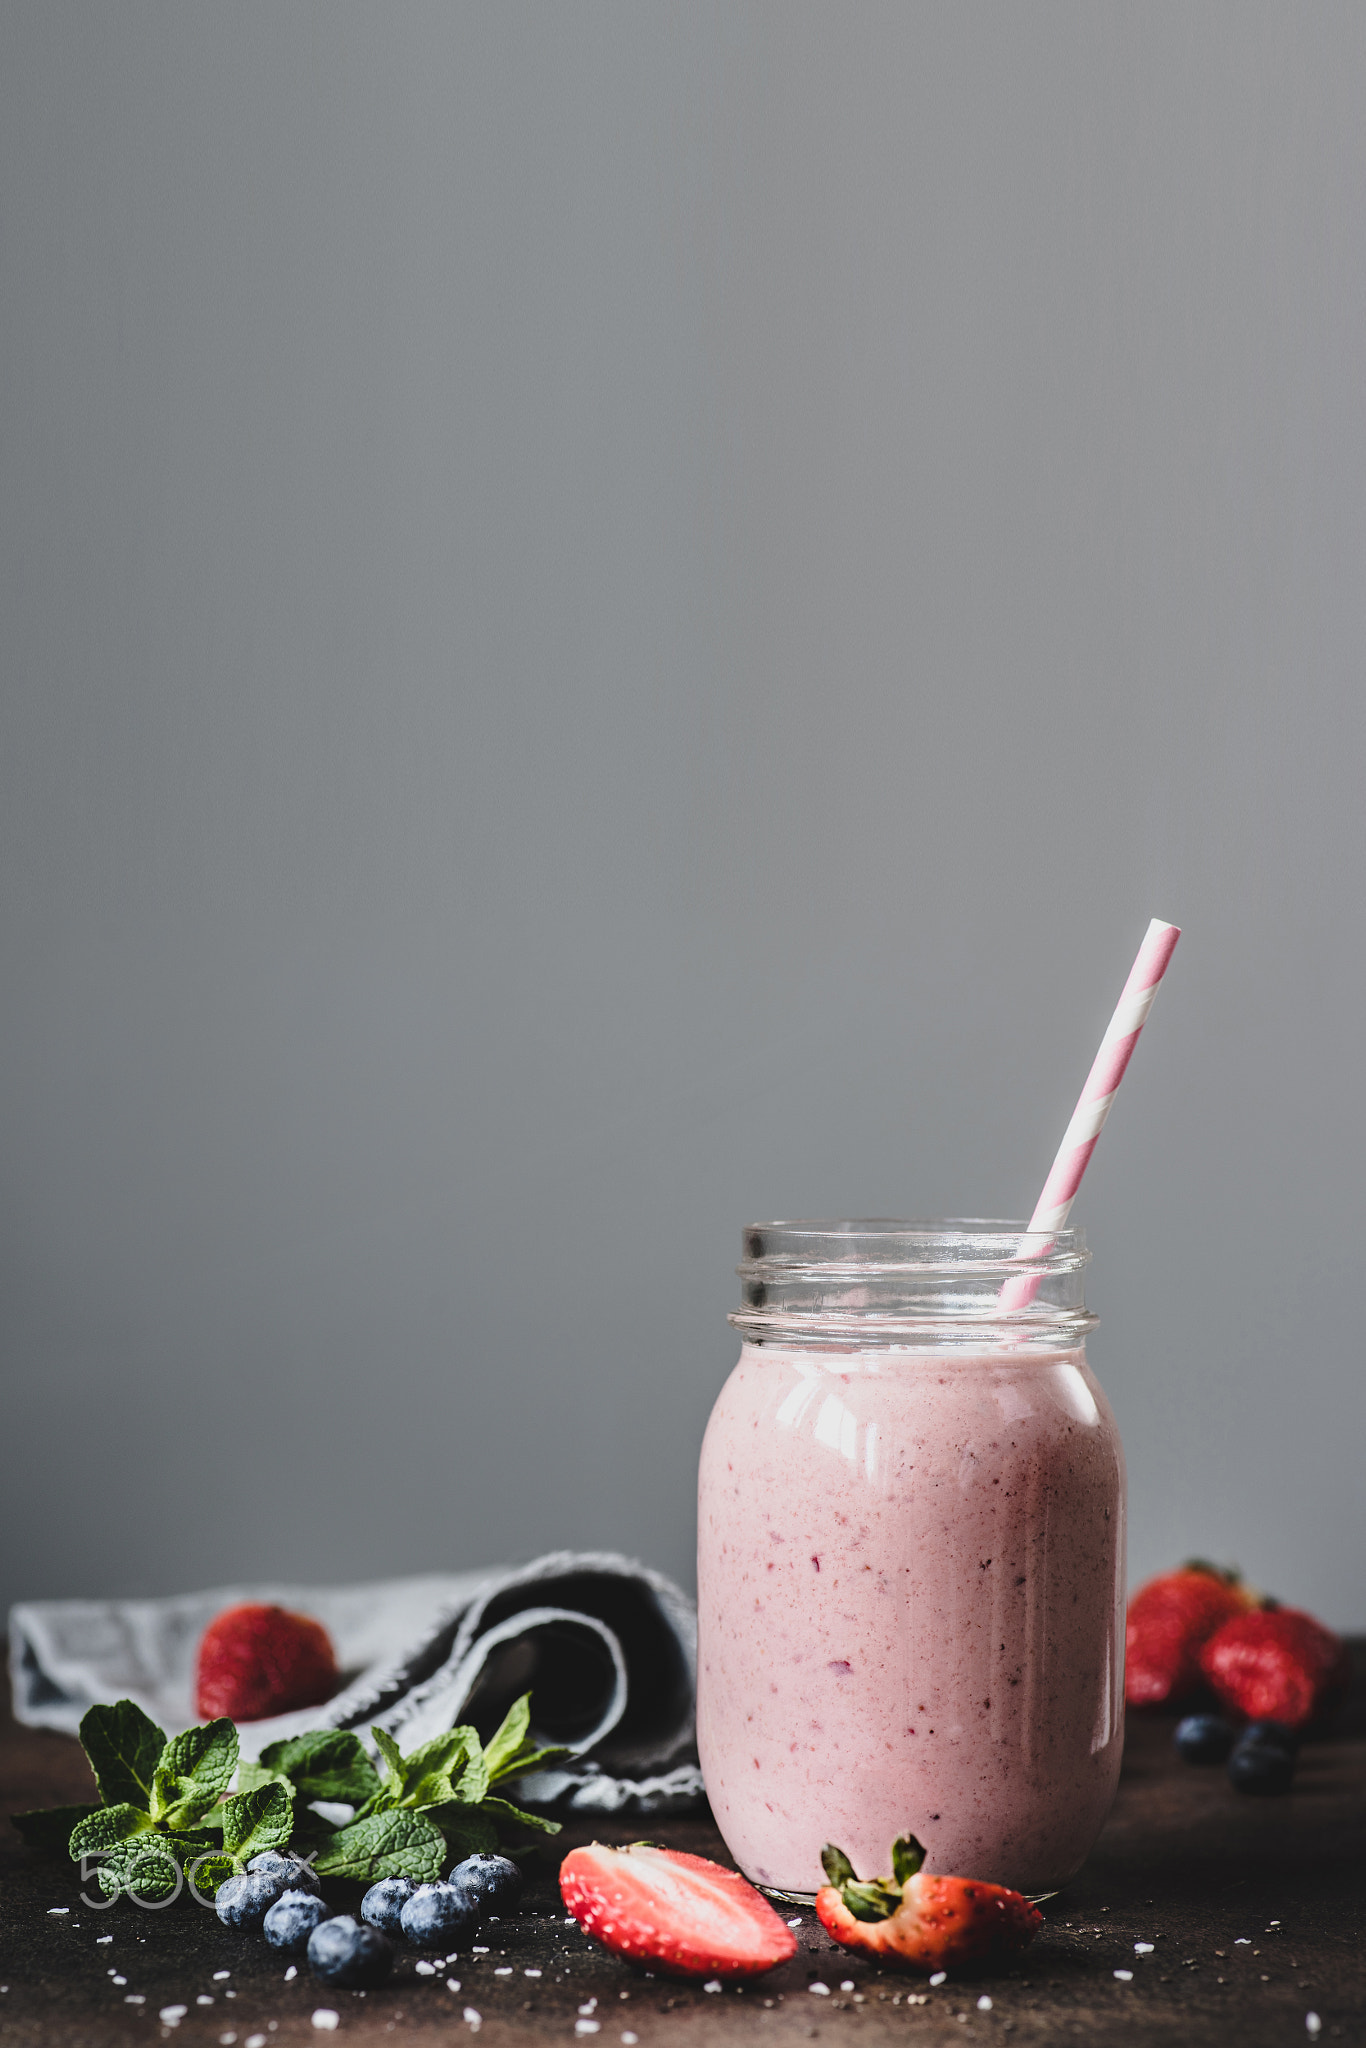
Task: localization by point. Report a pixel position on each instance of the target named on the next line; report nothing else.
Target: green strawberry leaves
(392, 1844)
(879, 1897)
(124, 1748)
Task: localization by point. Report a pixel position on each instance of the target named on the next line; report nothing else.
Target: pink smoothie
(911, 1611)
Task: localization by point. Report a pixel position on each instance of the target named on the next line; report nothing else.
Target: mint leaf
(391, 1844)
(907, 1857)
(251, 1776)
(191, 1773)
(105, 1828)
(208, 1868)
(328, 1763)
(392, 1754)
(505, 1812)
(150, 1867)
(253, 1821)
(123, 1747)
(511, 1737)
(49, 1831)
(527, 1759)
(468, 1830)
(473, 1782)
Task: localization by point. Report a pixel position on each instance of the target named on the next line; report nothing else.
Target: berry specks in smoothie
(816, 1561)
(841, 1667)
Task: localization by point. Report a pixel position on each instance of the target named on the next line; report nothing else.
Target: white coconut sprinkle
(425, 1969)
(134, 1998)
(1143, 1948)
(1125, 1976)
(173, 2014)
(452, 1983)
(291, 1973)
(984, 2003)
(940, 1977)
(630, 2039)
(531, 1973)
(472, 2018)
(101, 1939)
(503, 1970)
(819, 1990)
(1312, 2023)
(712, 1984)
(795, 1923)
(588, 2026)
(326, 2020)
(59, 1909)
(115, 1978)
(221, 1976)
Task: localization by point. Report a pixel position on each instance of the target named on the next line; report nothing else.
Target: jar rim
(882, 1280)
(924, 1245)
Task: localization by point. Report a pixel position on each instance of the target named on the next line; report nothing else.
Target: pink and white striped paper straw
(1088, 1118)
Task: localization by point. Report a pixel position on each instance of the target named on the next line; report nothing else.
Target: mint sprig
(167, 1807)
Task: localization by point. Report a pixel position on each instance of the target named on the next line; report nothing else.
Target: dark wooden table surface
(1255, 1910)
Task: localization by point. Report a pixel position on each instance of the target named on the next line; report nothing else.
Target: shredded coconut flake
(1125, 1976)
(940, 1977)
(984, 2003)
(819, 1990)
(326, 2020)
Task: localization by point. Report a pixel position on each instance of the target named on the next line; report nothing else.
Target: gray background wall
(613, 619)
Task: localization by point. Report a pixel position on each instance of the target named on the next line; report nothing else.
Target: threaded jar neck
(923, 1284)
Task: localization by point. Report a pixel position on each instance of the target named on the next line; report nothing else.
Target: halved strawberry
(677, 1913)
(918, 1922)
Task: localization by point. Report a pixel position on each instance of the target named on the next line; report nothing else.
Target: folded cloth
(607, 1649)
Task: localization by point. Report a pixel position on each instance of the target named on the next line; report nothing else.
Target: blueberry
(1204, 1738)
(1261, 1767)
(244, 1900)
(492, 1882)
(1274, 1734)
(437, 1912)
(293, 1873)
(342, 1951)
(383, 1904)
(292, 1919)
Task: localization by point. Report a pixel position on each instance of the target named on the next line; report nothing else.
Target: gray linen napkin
(607, 1648)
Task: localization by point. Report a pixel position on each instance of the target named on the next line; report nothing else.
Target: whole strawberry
(1168, 1620)
(673, 1912)
(914, 1921)
(1275, 1664)
(256, 1660)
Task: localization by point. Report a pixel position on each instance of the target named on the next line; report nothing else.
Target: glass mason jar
(910, 1559)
